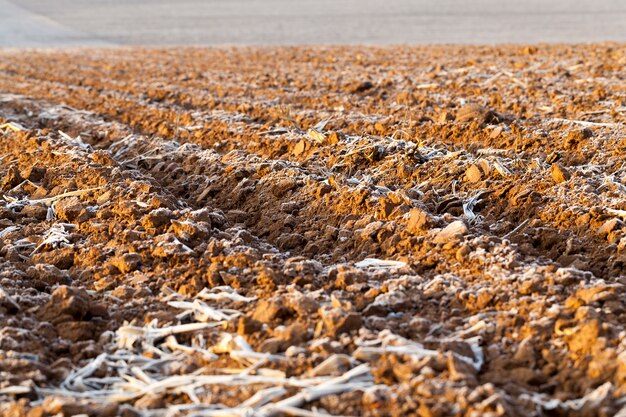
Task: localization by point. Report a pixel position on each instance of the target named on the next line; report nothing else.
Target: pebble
(473, 174)
(444, 117)
(453, 231)
(463, 252)
(496, 132)
(300, 148)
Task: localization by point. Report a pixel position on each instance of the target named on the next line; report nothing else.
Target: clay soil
(251, 200)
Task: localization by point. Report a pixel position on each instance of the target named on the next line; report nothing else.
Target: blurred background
(36, 23)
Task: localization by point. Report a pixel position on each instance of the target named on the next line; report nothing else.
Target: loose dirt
(432, 231)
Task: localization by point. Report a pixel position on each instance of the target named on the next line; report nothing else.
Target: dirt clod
(68, 209)
(70, 301)
(559, 173)
(337, 321)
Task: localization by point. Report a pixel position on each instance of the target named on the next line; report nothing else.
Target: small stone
(123, 292)
(62, 258)
(485, 167)
(575, 137)
(53, 405)
(187, 230)
(103, 284)
(559, 174)
(386, 302)
(473, 174)
(104, 197)
(333, 138)
(36, 412)
(300, 147)
(98, 309)
(103, 157)
(294, 351)
(202, 215)
(582, 341)
(237, 216)
(459, 347)
(283, 186)
(290, 207)
(386, 208)
(496, 132)
(35, 211)
(454, 231)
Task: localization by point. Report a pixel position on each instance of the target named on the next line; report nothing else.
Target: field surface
(428, 231)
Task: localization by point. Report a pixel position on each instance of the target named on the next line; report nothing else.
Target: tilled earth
(431, 231)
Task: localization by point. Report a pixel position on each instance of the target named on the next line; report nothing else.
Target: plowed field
(429, 231)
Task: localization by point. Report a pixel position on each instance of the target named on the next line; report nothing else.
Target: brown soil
(495, 174)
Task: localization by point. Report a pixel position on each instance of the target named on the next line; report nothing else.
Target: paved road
(206, 22)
